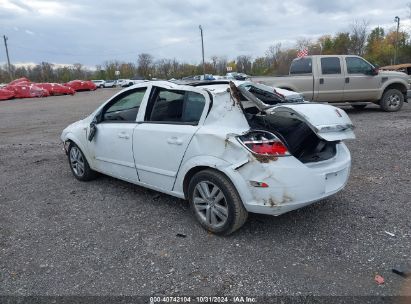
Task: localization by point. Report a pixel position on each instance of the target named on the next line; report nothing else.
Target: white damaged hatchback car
(229, 148)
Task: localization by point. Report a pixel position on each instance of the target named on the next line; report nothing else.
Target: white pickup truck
(343, 78)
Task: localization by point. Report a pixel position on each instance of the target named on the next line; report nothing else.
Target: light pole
(396, 19)
(8, 58)
(202, 48)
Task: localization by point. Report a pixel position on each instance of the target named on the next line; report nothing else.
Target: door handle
(347, 79)
(123, 135)
(321, 80)
(174, 141)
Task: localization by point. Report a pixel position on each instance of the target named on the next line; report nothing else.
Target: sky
(92, 32)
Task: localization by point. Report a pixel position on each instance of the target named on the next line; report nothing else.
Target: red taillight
(274, 148)
(264, 143)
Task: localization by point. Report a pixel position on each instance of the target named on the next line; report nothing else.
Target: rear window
(330, 65)
(264, 93)
(301, 66)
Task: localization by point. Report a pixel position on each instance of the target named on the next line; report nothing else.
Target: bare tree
(222, 65)
(47, 73)
(164, 67)
(244, 64)
(358, 37)
(144, 62)
(78, 72)
(111, 67)
(272, 54)
(303, 43)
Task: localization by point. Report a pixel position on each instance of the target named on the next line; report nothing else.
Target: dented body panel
(214, 143)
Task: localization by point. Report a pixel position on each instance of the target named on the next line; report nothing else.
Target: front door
(160, 141)
(112, 145)
(360, 83)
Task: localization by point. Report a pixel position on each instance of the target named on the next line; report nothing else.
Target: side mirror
(93, 127)
(374, 71)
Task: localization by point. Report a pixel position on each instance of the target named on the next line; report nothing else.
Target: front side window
(125, 108)
(330, 65)
(357, 65)
(170, 106)
(301, 66)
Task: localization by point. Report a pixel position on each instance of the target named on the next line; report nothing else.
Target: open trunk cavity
(310, 131)
(299, 138)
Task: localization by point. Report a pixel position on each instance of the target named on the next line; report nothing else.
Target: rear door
(331, 79)
(159, 141)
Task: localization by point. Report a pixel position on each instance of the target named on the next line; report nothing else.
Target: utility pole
(202, 48)
(8, 58)
(396, 19)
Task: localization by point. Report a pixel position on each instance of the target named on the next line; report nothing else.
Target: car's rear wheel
(215, 202)
(359, 107)
(392, 100)
(79, 165)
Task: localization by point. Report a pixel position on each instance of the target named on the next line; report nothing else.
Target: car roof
(211, 86)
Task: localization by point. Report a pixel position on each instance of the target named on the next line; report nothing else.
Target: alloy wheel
(77, 161)
(210, 204)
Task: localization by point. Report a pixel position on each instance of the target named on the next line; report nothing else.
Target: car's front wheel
(79, 165)
(392, 100)
(215, 202)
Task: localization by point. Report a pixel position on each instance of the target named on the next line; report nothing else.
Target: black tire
(392, 100)
(236, 213)
(81, 172)
(359, 107)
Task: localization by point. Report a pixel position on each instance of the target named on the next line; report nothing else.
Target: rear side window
(170, 106)
(301, 66)
(330, 65)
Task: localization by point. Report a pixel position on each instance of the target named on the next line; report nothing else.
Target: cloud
(92, 32)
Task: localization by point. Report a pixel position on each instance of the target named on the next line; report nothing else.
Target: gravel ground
(59, 236)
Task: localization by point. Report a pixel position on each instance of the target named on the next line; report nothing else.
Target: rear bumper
(292, 185)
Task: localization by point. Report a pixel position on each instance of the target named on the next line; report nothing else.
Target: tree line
(377, 46)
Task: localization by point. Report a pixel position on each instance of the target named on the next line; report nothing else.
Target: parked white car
(228, 148)
(123, 82)
(99, 83)
(127, 82)
(110, 84)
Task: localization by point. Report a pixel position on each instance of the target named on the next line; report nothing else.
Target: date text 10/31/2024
(236, 299)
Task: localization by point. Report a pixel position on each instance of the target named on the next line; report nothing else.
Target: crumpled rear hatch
(328, 122)
(310, 131)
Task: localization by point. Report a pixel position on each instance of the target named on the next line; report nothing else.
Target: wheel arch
(193, 171)
(197, 164)
(71, 138)
(395, 85)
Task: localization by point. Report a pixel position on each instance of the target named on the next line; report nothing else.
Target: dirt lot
(59, 236)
